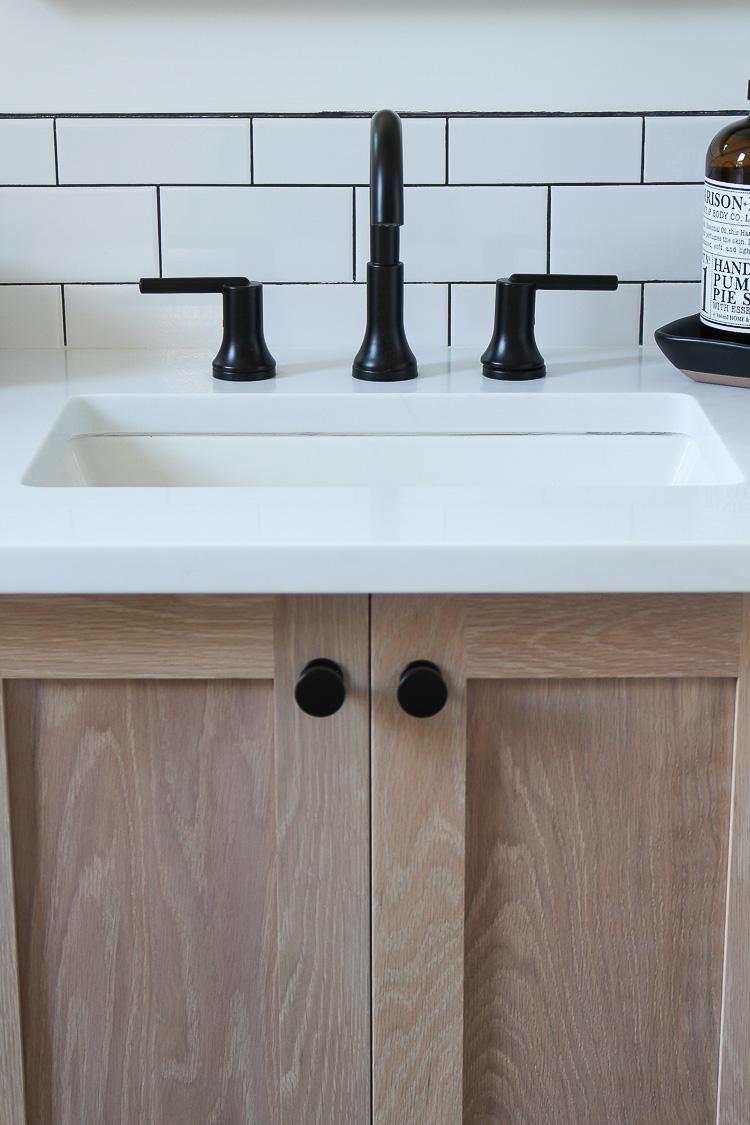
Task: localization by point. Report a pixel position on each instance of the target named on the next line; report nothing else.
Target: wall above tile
(106, 56)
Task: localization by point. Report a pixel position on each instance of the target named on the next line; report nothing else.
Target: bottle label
(726, 256)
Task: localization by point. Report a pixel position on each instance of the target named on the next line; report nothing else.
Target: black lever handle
(512, 352)
(422, 691)
(320, 689)
(591, 281)
(243, 355)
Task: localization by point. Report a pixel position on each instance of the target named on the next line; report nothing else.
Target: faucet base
(392, 376)
(385, 355)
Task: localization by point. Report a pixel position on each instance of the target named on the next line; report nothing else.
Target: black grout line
(640, 314)
(341, 186)
(354, 234)
(366, 113)
(447, 152)
(450, 312)
(643, 149)
(252, 153)
(54, 143)
(553, 183)
(64, 316)
(158, 228)
(549, 228)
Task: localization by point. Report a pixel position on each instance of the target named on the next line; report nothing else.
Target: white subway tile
(640, 232)
(589, 319)
(310, 151)
(664, 303)
(77, 234)
(30, 316)
(314, 316)
(527, 150)
(120, 316)
(27, 152)
(563, 320)
(114, 151)
(334, 315)
(426, 315)
(676, 147)
(337, 151)
(472, 315)
(267, 234)
(424, 150)
(464, 233)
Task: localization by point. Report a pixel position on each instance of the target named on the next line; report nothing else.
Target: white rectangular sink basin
(440, 440)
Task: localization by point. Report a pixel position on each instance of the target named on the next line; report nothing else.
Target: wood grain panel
(734, 1085)
(597, 826)
(418, 790)
(322, 793)
(144, 844)
(11, 1059)
(548, 635)
(159, 636)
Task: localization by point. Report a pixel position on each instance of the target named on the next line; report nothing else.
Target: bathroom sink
(375, 441)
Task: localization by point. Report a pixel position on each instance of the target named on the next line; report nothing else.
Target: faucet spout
(385, 355)
(386, 170)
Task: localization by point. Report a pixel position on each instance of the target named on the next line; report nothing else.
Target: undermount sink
(439, 440)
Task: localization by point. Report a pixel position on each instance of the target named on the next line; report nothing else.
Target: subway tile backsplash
(268, 233)
(90, 204)
(664, 303)
(31, 316)
(563, 319)
(63, 234)
(465, 233)
(640, 231)
(544, 150)
(27, 152)
(675, 147)
(111, 151)
(337, 151)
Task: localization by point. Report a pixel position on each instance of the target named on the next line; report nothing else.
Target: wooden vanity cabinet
(533, 907)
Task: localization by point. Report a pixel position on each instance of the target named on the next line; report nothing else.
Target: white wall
(125, 56)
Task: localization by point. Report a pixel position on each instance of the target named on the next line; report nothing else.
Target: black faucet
(385, 355)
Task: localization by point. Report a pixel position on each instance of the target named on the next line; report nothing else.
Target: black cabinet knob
(320, 688)
(422, 691)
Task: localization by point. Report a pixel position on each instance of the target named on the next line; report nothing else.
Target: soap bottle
(725, 303)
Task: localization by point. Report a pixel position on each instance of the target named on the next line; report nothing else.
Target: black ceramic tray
(702, 357)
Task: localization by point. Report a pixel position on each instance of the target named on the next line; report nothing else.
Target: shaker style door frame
(321, 769)
(420, 804)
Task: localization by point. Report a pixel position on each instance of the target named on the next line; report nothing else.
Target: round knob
(422, 691)
(320, 688)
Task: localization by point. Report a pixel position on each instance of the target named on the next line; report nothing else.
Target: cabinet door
(550, 862)
(189, 857)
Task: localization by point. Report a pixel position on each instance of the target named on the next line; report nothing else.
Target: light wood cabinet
(190, 857)
(533, 907)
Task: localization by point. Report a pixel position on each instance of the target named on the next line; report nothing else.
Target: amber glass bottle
(725, 305)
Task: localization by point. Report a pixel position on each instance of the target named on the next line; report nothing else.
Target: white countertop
(468, 538)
